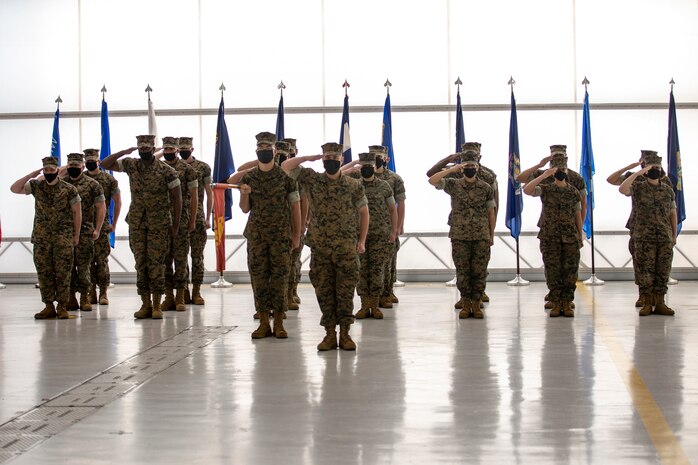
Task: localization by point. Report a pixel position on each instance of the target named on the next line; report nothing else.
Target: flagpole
(221, 283)
(518, 279)
(458, 83)
(110, 208)
(671, 281)
(593, 280)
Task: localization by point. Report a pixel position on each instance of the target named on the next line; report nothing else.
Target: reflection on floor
(423, 387)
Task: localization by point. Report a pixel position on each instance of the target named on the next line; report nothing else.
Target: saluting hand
(545, 161)
(550, 171)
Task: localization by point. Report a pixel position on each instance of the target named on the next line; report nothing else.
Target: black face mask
(265, 156)
(185, 154)
(654, 173)
(50, 176)
(282, 158)
(367, 171)
(331, 166)
(170, 156)
(91, 165)
(470, 172)
(145, 156)
(380, 163)
(74, 172)
(560, 175)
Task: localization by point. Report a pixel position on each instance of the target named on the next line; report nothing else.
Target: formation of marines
(349, 216)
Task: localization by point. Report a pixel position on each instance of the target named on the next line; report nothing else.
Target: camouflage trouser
(374, 264)
(269, 262)
(80, 279)
(99, 270)
(653, 265)
(294, 276)
(334, 274)
(561, 262)
(471, 259)
(390, 275)
(177, 252)
(149, 247)
(197, 242)
(631, 249)
(54, 262)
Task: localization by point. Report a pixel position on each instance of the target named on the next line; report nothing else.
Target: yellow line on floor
(668, 446)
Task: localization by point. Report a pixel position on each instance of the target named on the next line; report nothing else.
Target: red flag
(219, 225)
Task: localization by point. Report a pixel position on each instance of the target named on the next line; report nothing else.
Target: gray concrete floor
(606, 387)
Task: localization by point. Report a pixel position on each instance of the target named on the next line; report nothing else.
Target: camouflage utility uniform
(198, 237)
(397, 185)
(99, 270)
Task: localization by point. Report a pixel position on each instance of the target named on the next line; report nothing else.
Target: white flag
(152, 125)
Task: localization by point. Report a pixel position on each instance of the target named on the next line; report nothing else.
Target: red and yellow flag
(219, 225)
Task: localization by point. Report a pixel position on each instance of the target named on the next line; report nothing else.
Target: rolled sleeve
(174, 183)
(206, 180)
(99, 199)
(441, 185)
(28, 188)
(490, 204)
(361, 202)
(538, 191)
(390, 201)
(75, 200)
(193, 184)
(293, 197)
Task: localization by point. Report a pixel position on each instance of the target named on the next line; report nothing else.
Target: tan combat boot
(168, 304)
(647, 304)
(385, 302)
(73, 302)
(465, 309)
(567, 309)
(640, 301)
(660, 308)
(556, 310)
(279, 331)
(103, 297)
(256, 315)
(187, 295)
(146, 310)
(345, 341)
(196, 298)
(85, 304)
(179, 301)
(295, 293)
(393, 298)
(460, 303)
(375, 311)
(330, 340)
(93, 294)
(477, 305)
(549, 305)
(157, 309)
(365, 311)
(48, 312)
(485, 297)
(61, 312)
(291, 303)
(264, 329)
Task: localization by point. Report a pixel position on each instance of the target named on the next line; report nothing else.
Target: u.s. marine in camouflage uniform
(93, 212)
(472, 222)
(293, 300)
(197, 237)
(617, 179)
(558, 156)
(178, 250)
(654, 233)
(271, 198)
(560, 234)
(153, 218)
(332, 236)
(99, 271)
(57, 221)
(382, 233)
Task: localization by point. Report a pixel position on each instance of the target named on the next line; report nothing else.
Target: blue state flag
(104, 152)
(586, 167)
(280, 120)
(460, 131)
(223, 165)
(387, 137)
(56, 138)
(674, 163)
(344, 137)
(514, 197)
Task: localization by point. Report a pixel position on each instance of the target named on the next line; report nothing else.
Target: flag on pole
(460, 131)
(387, 136)
(586, 167)
(219, 207)
(223, 167)
(104, 152)
(514, 197)
(674, 163)
(56, 138)
(152, 125)
(344, 137)
(280, 120)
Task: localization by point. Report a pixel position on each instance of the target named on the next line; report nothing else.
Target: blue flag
(514, 197)
(104, 152)
(223, 165)
(674, 163)
(586, 167)
(280, 120)
(387, 138)
(460, 131)
(56, 138)
(344, 137)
